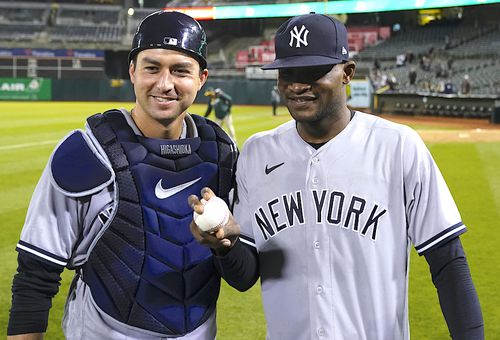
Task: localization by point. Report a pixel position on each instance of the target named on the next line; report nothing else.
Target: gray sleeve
(432, 215)
(52, 223)
(60, 225)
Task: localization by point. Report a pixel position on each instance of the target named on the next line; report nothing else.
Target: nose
(298, 88)
(165, 82)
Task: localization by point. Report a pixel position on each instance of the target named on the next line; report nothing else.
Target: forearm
(459, 302)
(33, 288)
(27, 323)
(239, 267)
(457, 295)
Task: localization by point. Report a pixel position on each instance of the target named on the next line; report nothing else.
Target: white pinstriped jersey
(334, 226)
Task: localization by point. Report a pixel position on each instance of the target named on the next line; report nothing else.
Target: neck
(162, 129)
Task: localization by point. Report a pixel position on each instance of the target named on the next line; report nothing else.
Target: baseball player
(221, 103)
(112, 205)
(332, 201)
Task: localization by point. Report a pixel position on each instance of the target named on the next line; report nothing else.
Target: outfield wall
(243, 91)
(247, 92)
(451, 105)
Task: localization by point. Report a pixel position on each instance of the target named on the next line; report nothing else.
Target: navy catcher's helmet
(171, 30)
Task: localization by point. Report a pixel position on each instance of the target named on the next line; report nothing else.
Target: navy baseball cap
(310, 40)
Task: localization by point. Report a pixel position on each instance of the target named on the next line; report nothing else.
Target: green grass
(471, 171)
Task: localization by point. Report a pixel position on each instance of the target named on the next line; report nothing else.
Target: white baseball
(215, 214)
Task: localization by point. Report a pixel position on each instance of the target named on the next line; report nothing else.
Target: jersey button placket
(321, 332)
(314, 170)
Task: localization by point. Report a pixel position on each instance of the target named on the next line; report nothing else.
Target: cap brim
(301, 61)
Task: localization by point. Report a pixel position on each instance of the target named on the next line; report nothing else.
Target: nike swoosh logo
(162, 193)
(269, 170)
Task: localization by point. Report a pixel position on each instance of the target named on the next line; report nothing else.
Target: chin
(165, 115)
(304, 116)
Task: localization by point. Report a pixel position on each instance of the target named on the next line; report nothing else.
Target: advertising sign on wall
(25, 89)
(359, 94)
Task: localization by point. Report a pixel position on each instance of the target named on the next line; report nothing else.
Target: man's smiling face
(165, 83)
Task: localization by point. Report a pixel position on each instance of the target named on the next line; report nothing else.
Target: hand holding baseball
(211, 215)
(213, 224)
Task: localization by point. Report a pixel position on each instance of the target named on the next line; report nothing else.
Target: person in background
(412, 75)
(465, 85)
(221, 103)
(111, 205)
(275, 99)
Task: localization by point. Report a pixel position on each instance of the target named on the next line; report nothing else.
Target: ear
(131, 71)
(349, 69)
(203, 78)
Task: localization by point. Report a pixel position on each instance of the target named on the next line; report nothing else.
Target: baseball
(215, 214)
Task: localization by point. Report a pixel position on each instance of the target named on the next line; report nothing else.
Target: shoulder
(401, 139)
(282, 131)
(386, 129)
(79, 167)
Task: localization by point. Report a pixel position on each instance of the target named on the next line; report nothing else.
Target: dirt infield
(443, 129)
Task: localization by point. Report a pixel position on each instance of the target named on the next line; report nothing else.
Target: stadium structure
(414, 57)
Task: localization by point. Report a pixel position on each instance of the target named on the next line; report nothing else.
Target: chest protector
(146, 270)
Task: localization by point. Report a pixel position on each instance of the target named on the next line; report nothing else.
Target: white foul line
(26, 145)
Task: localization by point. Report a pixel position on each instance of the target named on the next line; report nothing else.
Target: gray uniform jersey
(334, 226)
(62, 229)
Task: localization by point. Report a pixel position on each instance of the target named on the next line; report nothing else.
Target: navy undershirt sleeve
(239, 267)
(457, 295)
(33, 287)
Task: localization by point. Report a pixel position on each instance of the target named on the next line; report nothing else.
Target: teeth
(163, 100)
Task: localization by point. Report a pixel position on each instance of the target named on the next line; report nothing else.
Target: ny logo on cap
(299, 36)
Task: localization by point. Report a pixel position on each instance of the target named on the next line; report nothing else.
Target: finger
(199, 208)
(207, 193)
(226, 243)
(196, 204)
(220, 233)
(195, 231)
(193, 200)
(210, 240)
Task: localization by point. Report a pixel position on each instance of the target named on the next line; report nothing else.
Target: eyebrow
(151, 61)
(185, 64)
